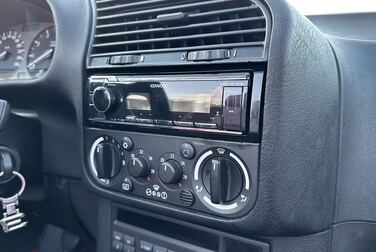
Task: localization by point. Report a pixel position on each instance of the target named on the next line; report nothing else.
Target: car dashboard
(189, 125)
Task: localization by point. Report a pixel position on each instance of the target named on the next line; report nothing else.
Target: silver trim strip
(222, 207)
(198, 164)
(246, 175)
(127, 79)
(91, 155)
(255, 110)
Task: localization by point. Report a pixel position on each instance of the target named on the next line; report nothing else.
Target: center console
(188, 142)
(163, 164)
(173, 111)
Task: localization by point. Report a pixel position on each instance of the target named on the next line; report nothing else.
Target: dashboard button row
(185, 124)
(122, 242)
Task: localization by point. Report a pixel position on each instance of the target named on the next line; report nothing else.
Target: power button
(187, 151)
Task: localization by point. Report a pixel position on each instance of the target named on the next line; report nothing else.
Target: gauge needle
(47, 54)
(3, 55)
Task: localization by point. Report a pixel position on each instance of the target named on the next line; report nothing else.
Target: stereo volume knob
(107, 160)
(103, 99)
(139, 167)
(170, 172)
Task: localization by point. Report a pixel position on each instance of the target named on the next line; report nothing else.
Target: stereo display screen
(193, 98)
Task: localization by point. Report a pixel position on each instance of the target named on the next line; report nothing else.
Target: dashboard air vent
(135, 27)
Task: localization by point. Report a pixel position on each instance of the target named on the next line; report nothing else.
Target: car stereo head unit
(214, 103)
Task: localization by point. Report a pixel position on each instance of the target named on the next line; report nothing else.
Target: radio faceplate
(216, 103)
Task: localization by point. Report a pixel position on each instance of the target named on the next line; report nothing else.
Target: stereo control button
(103, 99)
(145, 121)
(163, 122)
(184, 124)
(187, 151)
(232, 108)
(130, 119)
(206, 125)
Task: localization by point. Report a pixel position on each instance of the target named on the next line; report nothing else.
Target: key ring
(23, 182)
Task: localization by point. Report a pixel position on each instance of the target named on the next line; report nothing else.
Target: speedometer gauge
(11, 53)
(41, 51)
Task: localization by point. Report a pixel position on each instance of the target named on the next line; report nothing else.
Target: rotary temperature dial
(139, 167)
(170, 172)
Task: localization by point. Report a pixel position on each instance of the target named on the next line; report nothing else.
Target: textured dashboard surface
(357, 174)
(300, 128)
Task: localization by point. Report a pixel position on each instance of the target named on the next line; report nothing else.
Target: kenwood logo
(159, 85)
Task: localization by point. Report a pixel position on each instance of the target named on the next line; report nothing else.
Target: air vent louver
(160, 26)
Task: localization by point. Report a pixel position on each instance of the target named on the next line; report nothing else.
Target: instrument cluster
(26, 50)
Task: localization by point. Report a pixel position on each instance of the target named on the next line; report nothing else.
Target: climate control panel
(204, 175)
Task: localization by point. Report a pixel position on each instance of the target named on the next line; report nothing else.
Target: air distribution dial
(104, 99)
(170, 172)
(222, 181)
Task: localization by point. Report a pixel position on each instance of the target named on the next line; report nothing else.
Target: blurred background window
(317, 7)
